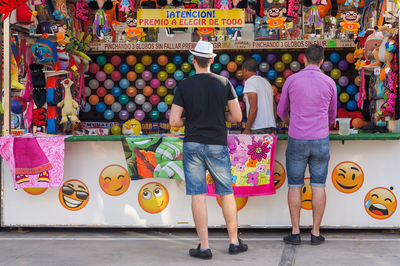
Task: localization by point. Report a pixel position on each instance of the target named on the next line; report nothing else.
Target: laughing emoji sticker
(306, 195)
(279, 175)
(73, 195)
(380, 203)
(347, 177)
(114, 180)
(153, 197)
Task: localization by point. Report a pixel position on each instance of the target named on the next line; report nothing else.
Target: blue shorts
(299, 153)
(197, 158)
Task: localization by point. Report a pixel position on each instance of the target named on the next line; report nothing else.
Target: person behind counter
(204, 98)
(311, 97)
(259, 98)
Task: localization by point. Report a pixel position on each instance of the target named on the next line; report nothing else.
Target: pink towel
(34, 161)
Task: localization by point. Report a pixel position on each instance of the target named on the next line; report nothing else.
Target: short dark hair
(203, 62)
(314, 54)
(250, 64)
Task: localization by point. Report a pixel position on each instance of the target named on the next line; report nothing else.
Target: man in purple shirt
(311, 98)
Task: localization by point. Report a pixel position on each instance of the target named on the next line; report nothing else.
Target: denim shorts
(299, 153)
(197, 158)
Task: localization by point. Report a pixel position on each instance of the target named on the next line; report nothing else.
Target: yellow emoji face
(380, 203)
(153, 197)
(279, 175)
(306, 195)
(73, 195)
(347, 177)
(240, 202)
(35, 190)
(114, 180)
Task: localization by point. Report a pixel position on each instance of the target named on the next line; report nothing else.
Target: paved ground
(169, 247)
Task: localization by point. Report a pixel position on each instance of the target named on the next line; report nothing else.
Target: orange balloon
(147, 91)
(101, 92)
(324, 9)
(357, 81)
(274, 89)
(109, 99)
(162, 60)
(94, 99)
(232, 66)
(350, 58)
(131, 76)
(131, 60)
(131, 91)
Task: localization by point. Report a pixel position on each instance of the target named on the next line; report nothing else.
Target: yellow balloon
(108, 68)
(146, 60)
(239, 75)
(239, 59)
(279, 66)
(186, 67)
(162, 75)
(287, 58)
(336, 73)
(169, 99)
(279, 82)
(162, 91)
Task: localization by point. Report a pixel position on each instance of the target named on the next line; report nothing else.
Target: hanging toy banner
(212, 18)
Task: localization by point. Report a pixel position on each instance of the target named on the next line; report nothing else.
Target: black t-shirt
(204, 98)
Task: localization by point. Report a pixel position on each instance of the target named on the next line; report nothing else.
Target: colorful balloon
(162, 60)
(179, 75)
(224, 73)
(216, 67)
(116, 76)
(271, 74)
(190, 59)
(351, 89)
(131, 91)
(94, 99)
(232, 66)
(123, 115)
(147, 75)
(139, 84)
(186, 67)
(123, 99)
(271, 59)
(327, 66)
(130, 107)
(108, 114)
(301, 58)
(162, 107)
(351, 105)
(344, 97)
(140, 99)
(124, 83)
(343, 65)
(146, 107)
(131, 60)
(116, 107)
(335, 73)
(124, 68)
(170, 68)
(88, 91)
(146, 60)
(139, 68)
(116, 60)
(108, 84)
(234, 82)
(338, 89)
(169, 99)
(295, 66)
(162, 75)
(192, 73)
(167, 114)
(109, 99)
(287, 73)
(350, 58)
(224, 59)
(287, 58)
(147, 91)
(94, 68)
(343, 81)
(170, 83)
(101, 60)
(239, 59)
(93, 84)
(239, 90)
(154, 115)
(155, 68)
(334, 57)
(177, 60)
(279, 66)
(154, 99)
(162, 91)
(87, 108)
(139, 115)
(108, 68)
(116, 91)
(101, 76)
(115, 130)
(257, 57)
(242, 105)
(279, 81)
(263, 67)
(101, 92)
(357, 81)
(239, 75)
(100, 107)
(155, 83)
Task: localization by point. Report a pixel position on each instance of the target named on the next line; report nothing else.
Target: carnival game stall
(87, 91)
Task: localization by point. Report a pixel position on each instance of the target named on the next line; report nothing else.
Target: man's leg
(294, 200)
(318, 207)
(229, 210)
(199, 210)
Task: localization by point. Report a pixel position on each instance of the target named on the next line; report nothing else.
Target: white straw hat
(203, 49)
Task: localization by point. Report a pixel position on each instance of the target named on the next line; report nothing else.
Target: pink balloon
(94, 68)
(147, 75)
(116, 76)
(139, 115)
(301, 57)
(155, 83)
(287, 73)
(170, 83)
(116, 60)
(101, 76)
(154, 99)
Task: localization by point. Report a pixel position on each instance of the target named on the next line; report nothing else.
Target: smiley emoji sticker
(73, 195)
(279, 175)
(380, 203)
(153, 197)
(306, 195)
(114, 180)
(347, 177)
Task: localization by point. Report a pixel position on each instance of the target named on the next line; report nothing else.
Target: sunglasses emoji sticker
(347, 177)
(380, 203)
(73, 195)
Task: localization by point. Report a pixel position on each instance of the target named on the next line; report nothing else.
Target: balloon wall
(142, 86)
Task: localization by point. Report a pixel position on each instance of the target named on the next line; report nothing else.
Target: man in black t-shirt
(204, 97)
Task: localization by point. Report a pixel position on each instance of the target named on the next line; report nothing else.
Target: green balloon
(162, 75)
(186, 67)
(101, 60)
(123, 99)
(154, 115)
(170, 68)
(192, 72)
(337, 88)
(139, 68)
(336, 73)
(216, 67)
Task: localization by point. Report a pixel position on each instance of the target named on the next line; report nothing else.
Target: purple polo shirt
(311, 98)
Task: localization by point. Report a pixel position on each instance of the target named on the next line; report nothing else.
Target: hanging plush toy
(350, 23)
(223, 4)
(6, 6)
(133, 33)
(314, 19)
(68, 106)
(387, 48)
(126, 5)
(61, 12)
(101, 27)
